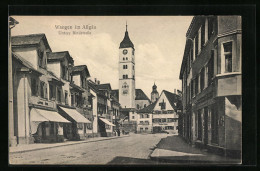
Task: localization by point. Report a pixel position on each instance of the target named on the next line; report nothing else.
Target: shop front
(105, 127)
(78, 129)
(47, 125)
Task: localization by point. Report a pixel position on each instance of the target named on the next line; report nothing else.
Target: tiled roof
(139, 94)
(147, 109)
(104, 86)
(52, 56)
(173, 98)
(80, 68)
(30, 39)
(92, 85)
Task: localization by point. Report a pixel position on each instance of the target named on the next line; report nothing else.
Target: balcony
(228, 84)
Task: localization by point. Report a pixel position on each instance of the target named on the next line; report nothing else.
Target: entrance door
(206, 125)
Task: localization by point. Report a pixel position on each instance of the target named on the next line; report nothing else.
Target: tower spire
(126, 25)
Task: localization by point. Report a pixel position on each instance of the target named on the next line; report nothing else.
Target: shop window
(34, 87)
(228, 56)
(52, 128)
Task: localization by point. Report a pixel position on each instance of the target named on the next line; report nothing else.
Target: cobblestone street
(134, 149)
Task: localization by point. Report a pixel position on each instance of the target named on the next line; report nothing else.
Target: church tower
(127, 73)
(154, 94)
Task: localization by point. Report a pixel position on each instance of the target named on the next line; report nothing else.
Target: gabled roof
(173, 98)
(104, 86)
(92, 86)
(29, 40)
(80, 68)
(140, 95)
(25, 63)
(58, 56)
(147, 109)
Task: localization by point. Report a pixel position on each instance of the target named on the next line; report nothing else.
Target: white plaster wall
(55, 68)
(76, 79)
(160, 100)
(95, 121)
(29, 54)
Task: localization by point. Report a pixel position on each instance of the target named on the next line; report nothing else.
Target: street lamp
(12, 139)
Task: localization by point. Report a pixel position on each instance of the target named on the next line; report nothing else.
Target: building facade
(166, 112)
(211, 84)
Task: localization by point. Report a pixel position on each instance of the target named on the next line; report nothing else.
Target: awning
(106, 122)
(75, 115)
(40, 115)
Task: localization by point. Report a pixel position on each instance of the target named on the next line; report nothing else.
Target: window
(146, 122)
(126, 76)
(123, 59)
(144, 105)
(196, 85)
(196, 47)
(40, 58)
(126, 58)
(146, 128)
(52, 128)
(202, 80)
(141, 129)
(52, 91)
(59, 95)
(133, 117)
(63, 68)
(211, 68)
(202, 34)
(66, 97)
(228, 56)
(34, 87)
(133, 67)
(123, 76)
(162, 104)
(199, 125)
(210, 27)
(43, 90)
(124, 66)
(72, 99)
(199, 40)
(137, 106)
(192, 92)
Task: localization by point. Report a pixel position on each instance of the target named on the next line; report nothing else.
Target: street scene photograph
(125, 90)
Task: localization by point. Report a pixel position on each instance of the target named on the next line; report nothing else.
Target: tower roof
(126, 43)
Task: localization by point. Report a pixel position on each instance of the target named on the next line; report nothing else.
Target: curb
(192, 162)
(81, 142)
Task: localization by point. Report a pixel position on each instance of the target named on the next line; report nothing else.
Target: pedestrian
(118, 132)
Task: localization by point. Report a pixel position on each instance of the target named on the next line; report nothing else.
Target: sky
(158, 40)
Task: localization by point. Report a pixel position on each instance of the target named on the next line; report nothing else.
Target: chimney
(95, 80)
(175, 91)
(98, 82)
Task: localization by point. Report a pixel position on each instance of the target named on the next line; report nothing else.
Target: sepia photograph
(125, 90)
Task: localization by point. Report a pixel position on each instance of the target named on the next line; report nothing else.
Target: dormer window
(63, 68)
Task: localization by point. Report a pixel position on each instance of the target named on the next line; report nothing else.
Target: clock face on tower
(125, 51)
